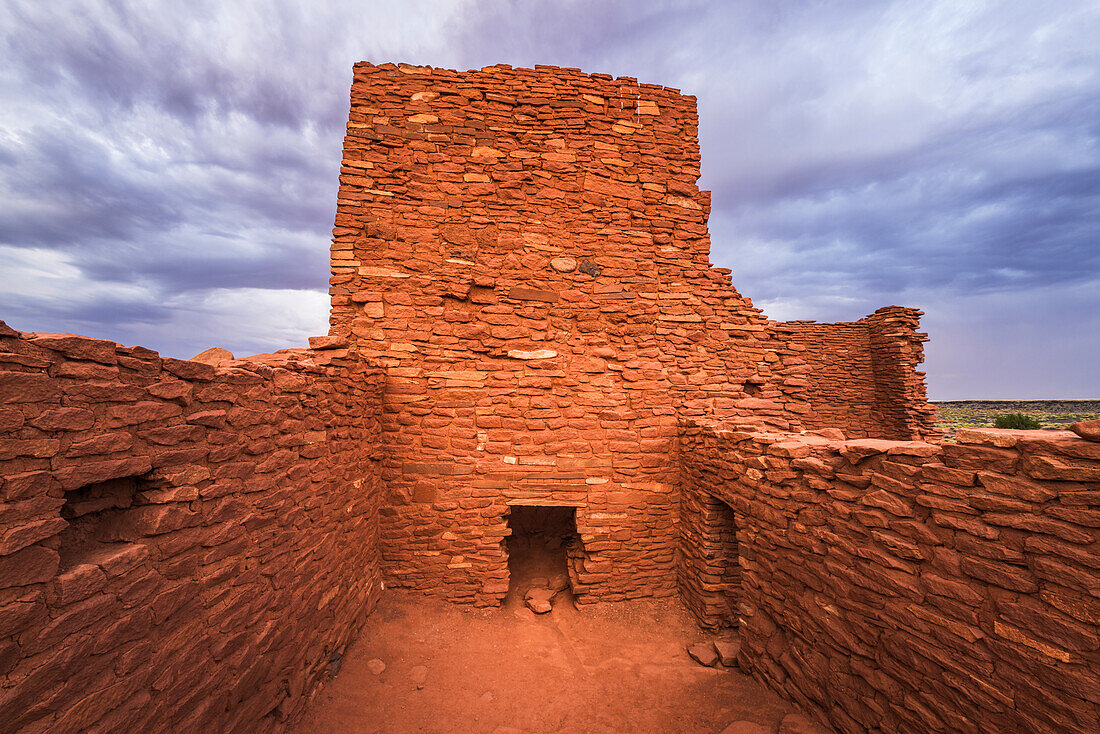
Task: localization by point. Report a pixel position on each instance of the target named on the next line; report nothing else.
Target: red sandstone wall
(863, 377)
(898, 350)
(916, 587)
(181, 549)
(841, 381)
(708, 565)
(526, 252)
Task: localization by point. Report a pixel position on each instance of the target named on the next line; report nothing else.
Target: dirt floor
(616, 667)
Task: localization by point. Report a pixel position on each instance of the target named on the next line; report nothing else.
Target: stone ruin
(524, 315)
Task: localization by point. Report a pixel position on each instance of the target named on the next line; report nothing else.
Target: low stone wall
(863, 376)
(182, 548)
(910, 586)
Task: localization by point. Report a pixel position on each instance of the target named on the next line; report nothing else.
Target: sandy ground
(618, 667)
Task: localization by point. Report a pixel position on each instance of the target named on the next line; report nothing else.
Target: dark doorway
(725, 563)
(537, 550)
(709, 567)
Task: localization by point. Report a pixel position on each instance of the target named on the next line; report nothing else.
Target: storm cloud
(169, 171)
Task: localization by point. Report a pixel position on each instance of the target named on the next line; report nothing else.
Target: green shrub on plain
(1016, 420)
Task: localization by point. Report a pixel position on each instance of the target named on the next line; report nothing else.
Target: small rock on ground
(747, 727)
(419, 674)
(704, 654)
(800, 724)
(375, 666)
(727, 651)
(539, 600)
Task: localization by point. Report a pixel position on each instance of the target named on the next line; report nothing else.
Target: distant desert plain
(1052, 414)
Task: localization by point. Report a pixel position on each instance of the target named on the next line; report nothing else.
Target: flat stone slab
(727, 651)
(704, 654)
(538, 600)
(532, 354)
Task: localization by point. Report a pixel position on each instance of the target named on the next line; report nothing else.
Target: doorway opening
(538, 549)
(725, 562)
(709, 566)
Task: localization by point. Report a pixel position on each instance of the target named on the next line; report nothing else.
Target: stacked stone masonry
(526, 253)
(863, 377)
(523, 313)
(905, 586)
(182, 548)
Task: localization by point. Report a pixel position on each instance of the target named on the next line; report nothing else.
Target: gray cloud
(169, 170)
(63, 190)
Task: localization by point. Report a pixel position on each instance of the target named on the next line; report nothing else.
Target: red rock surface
(213, 356)
(1088, 430)
(864, 377)
(524, 313)
(903, 586)
(526, 251)
(181, 548)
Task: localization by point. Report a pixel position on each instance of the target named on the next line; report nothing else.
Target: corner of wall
(897, 349)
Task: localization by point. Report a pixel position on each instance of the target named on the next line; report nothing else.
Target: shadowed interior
(537, 547)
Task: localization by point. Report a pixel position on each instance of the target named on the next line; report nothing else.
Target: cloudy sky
(168, 172)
